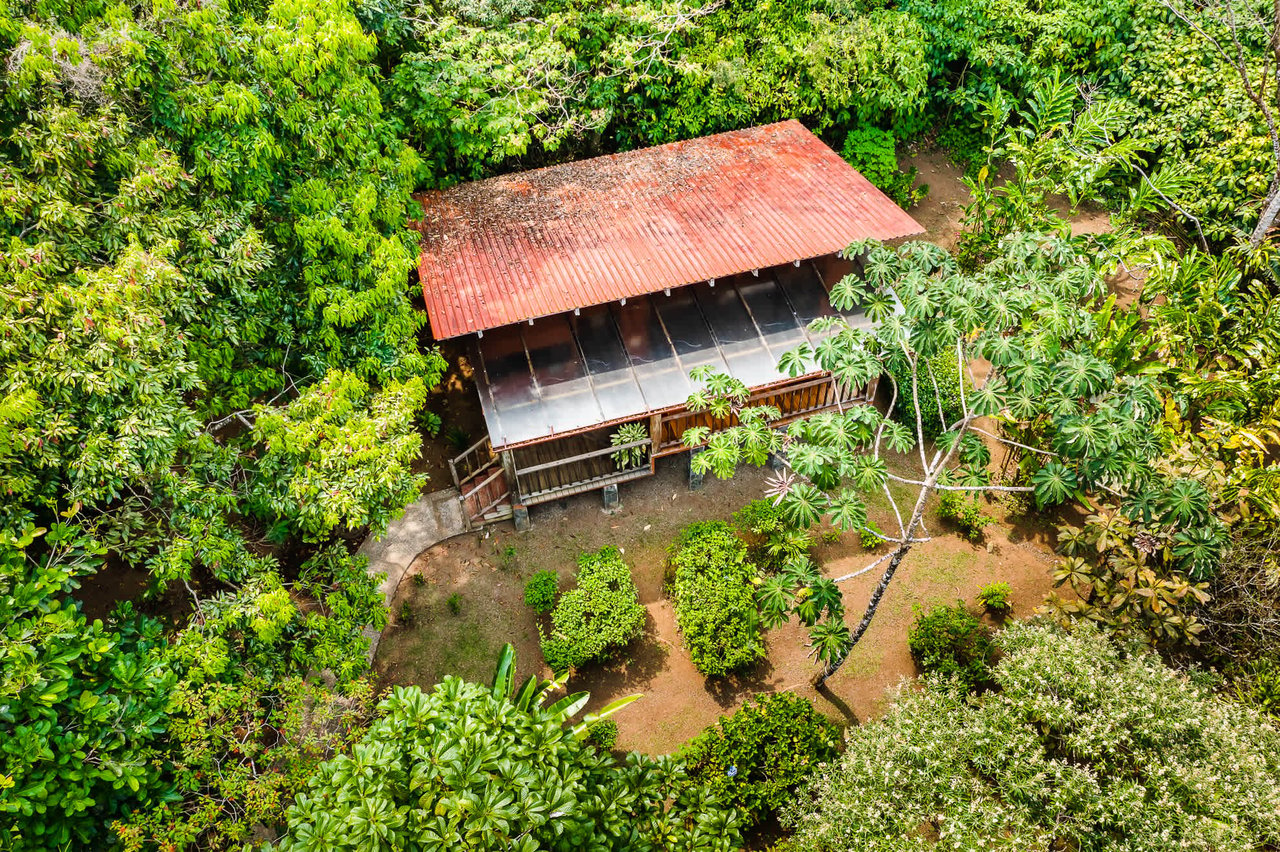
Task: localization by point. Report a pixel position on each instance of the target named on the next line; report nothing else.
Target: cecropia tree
(1023, 336)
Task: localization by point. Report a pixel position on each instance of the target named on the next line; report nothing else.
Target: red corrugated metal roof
(533, 244)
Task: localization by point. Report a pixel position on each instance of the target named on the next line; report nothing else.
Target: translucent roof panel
(741, 344)
(612, 376)
(662, 378)
(619, 362)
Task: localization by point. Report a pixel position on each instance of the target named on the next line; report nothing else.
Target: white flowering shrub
(1081, 747)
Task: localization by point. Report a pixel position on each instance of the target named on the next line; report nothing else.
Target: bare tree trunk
(833, 666)
(1267, 219)
(931, 473)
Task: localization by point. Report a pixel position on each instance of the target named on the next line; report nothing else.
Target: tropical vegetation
(214, 376)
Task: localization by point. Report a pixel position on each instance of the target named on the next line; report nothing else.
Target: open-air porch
(555, 393)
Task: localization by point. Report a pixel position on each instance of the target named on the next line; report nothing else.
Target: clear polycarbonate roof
(615, 362)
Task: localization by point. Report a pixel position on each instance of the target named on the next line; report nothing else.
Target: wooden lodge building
(588, 291)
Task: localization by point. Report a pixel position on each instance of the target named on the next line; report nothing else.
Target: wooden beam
(524, 471)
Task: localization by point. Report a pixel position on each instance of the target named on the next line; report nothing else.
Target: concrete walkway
(433, 518)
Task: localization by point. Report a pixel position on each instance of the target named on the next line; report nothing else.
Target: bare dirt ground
(942, 210)
(487, 572)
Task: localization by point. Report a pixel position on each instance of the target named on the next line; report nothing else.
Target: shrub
(1257, 683)
(950, 641)
(868, 536)
(772, 542)
(541, 590)
(715, 607)
(873, 152)
(966, 514)
(598, 617)
(454, 603)
(994, 597)
(757, 758)
(603, 734)
(629, 433)
(1084, 747)
(407, 615)
(941, 368)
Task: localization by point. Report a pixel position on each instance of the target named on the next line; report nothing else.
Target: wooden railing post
(513, 482)
(655, 437)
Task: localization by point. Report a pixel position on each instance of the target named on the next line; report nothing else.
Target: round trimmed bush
(540, 591)
(603, 734)
(757, 758)
(714, 601)
(950, 641)
(594, 620)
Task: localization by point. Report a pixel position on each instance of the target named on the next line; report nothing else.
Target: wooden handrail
(490, 478)
(583, 457)
(469, 450)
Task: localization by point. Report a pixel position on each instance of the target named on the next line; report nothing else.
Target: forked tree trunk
(932, 471)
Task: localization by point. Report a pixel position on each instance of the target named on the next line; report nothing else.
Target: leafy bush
(949, 641)
(407, 616)
(598, 617)
(868, 536)
(942, 369)
(994, 597)
(603, 734)
(1257, 683)
(629, 433)
(505, 767)
(541, 590)
(772, 541)
(873, 152)
(757, 758)
(715, 608)
(965, 512)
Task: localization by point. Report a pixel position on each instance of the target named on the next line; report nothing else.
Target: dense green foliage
(211, 361)
(497, 769)
(872, 152)
(80, 702)
(540, 591)
(597, 618)
(1080, 746)
(950, 642)
(710, 579)
(938, 390)
(758, 758)
(603, 734)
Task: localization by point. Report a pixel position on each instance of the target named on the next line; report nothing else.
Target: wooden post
(655, 437)
(695, 478)
(509, 468)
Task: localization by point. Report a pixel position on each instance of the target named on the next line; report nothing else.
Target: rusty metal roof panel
(533, 244)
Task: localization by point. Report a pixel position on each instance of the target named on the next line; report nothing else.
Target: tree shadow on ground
(728, 691)
(825, 694)
(634, 667)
